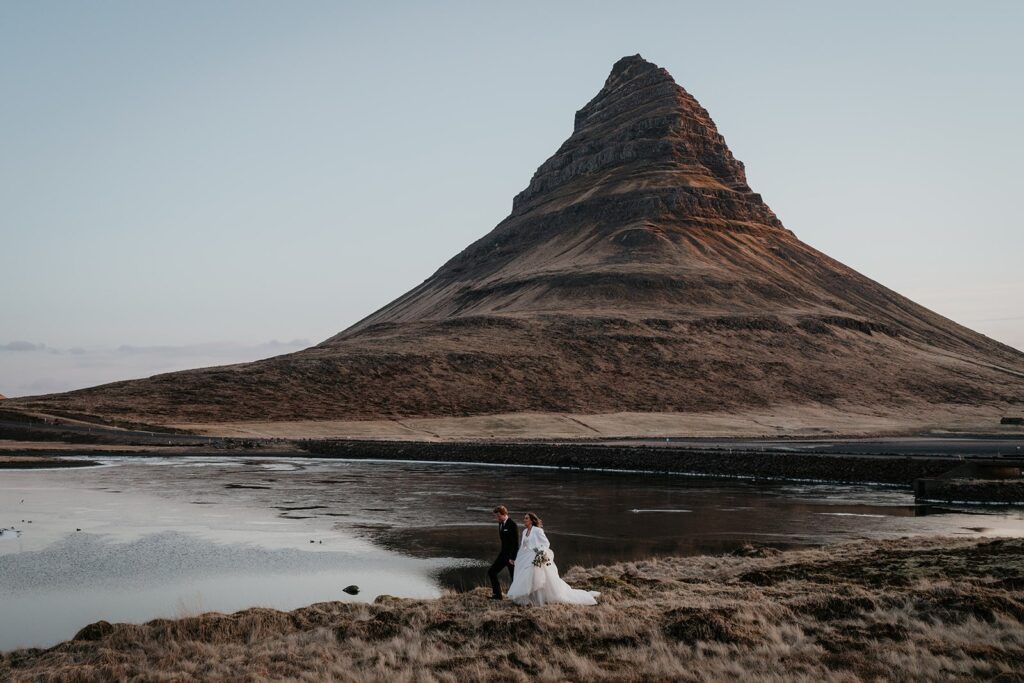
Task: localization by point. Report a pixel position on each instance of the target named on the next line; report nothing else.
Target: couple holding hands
(531, 565)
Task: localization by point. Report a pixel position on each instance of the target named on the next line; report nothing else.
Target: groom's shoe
(496, 597)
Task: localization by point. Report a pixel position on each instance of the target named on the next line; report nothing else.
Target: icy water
(138, 539)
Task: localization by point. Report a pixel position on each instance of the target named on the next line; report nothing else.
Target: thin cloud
(22, 346)
(27, 374)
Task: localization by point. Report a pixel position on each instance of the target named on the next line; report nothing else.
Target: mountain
(637, 272)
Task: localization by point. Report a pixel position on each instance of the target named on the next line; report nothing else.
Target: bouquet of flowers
(541, 559)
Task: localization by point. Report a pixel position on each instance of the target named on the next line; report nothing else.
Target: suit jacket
(509, 533)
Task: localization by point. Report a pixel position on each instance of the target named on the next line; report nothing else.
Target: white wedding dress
(542, 585)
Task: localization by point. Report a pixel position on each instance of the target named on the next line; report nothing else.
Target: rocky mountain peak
(627, 204)
(629, 75)
(631, 65)
(640, 130)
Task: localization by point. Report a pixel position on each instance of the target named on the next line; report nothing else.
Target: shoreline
(880, 470)
(928, 466)
(885, 469)
(941, 609)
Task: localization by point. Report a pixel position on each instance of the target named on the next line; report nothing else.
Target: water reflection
(431, 510)
(597, 518)
(143, 536)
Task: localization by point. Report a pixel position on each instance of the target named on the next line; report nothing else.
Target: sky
(190, 183)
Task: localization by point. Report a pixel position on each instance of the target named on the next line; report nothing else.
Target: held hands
(511, 563)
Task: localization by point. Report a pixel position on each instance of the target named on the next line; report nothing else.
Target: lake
(140, 538)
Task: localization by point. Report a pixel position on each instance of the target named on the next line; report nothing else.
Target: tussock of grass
(936, 609)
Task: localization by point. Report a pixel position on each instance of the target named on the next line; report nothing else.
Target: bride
(536, 580)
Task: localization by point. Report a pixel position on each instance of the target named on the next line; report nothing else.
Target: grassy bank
(924, 609)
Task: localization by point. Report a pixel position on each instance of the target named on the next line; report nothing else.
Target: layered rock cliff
(636, 272)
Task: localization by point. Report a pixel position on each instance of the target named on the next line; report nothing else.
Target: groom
(509, 534)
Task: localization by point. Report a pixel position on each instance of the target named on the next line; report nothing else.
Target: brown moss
(833, 607)
(605, 584)
(955, 603)
(95, 631)
(509, 627)
(691, 625)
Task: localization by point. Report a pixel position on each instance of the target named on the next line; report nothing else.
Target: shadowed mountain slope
(636, 272)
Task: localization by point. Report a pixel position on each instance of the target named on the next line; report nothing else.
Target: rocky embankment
(989, 491)
(905, 610)
(36, 462)
(895, 470)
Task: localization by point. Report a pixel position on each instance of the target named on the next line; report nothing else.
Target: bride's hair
(534, 519)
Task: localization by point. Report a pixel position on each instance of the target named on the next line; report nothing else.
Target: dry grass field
(901, 610)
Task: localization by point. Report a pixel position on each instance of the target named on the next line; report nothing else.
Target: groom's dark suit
(509, 534)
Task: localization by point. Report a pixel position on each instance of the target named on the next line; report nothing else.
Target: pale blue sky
(194, 176)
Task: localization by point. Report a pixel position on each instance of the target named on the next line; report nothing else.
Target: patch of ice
(850, 514)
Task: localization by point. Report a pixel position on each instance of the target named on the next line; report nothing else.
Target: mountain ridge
(637, 271)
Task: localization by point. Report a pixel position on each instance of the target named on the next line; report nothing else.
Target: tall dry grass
(908, 610)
